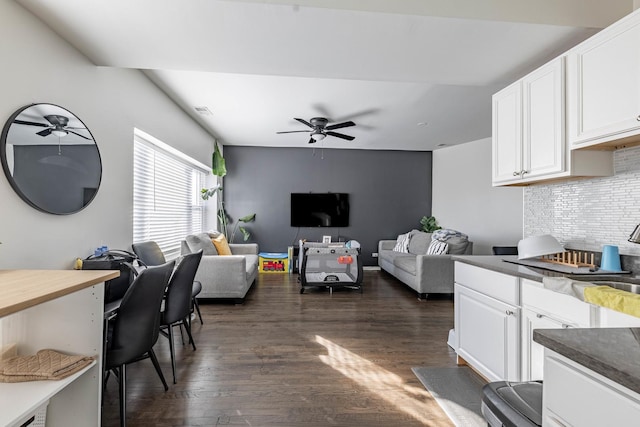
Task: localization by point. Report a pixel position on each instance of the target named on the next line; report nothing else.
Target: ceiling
(412, 74)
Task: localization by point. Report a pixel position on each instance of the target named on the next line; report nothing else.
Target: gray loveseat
(223, 276)
(426, 274)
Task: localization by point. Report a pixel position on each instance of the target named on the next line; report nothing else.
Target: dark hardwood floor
(286, 359)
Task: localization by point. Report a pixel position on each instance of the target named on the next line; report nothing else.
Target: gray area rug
(457, 390)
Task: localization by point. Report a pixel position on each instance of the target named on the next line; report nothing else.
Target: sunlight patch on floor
(383, 383)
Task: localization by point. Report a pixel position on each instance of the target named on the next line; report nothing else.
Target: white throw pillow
(436, 247)
(402, 243)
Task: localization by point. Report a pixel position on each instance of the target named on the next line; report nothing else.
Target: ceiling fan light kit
(320, 130)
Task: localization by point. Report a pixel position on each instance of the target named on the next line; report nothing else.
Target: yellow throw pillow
(221, 244)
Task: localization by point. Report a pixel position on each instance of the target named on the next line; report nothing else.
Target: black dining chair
(135, 328)
(151, 254)
(177, 303)
(504, 250)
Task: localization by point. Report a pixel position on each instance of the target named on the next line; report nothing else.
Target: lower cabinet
(576, 396)
(488, 334)
(532, 352)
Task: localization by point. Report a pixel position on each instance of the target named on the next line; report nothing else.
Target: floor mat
(457, 390)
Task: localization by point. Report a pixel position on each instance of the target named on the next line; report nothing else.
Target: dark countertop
(611, 352)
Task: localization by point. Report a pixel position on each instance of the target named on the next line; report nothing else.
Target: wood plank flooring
(286, 359)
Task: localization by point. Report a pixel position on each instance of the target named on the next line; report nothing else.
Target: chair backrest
(177, 304)
(505, 250)
(149, 253)
(137, 324)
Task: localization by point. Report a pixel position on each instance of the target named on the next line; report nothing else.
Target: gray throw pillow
(201, 241)
(457, 245)
(419, 243)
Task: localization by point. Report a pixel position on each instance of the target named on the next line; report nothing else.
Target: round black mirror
(50, 159)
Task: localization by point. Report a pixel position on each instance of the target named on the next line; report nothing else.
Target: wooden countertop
(20, 289)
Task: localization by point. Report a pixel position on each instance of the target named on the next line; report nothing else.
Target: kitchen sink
(622, 283)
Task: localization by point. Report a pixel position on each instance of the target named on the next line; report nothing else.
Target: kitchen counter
(611, 352)
(496, 263)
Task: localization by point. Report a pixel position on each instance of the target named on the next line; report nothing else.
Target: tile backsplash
(589, 213)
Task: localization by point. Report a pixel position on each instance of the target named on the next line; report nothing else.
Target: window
(166, 194)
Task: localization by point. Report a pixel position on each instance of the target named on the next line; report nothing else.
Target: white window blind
(166, 197)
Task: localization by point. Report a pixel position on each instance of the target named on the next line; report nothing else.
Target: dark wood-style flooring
(286, 359)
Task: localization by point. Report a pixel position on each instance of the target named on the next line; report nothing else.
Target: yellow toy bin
(273, 262)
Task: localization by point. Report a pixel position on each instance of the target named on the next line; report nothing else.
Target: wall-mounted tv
(319, 209)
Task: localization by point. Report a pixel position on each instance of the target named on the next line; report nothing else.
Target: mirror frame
(7, 171)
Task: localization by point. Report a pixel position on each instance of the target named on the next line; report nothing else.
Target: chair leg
(122, 374)
(173, 352)
(188, 329)
(156, 365)
(197, 307)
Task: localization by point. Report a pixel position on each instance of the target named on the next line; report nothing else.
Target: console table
(60, 310)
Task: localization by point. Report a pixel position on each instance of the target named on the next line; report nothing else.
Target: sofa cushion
(221, 244)
(195, 242)
(419, 243)
(457, 245)
(402, 243)
(436, 247)
(406, 263)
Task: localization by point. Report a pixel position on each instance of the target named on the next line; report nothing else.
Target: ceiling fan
(320, 130)
(57, 126)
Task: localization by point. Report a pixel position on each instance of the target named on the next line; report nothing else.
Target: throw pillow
(457, 245)
(222, 246)
(402, 243)
(419, 243)
(436, 247)
(195, 242)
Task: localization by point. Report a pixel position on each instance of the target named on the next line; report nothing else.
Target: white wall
(464, 200)
(38, 66)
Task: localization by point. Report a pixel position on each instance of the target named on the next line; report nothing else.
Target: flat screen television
(319, 209)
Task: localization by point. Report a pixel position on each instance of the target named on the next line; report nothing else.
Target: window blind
(166, 197)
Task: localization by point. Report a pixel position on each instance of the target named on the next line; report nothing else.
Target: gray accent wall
(389, 191)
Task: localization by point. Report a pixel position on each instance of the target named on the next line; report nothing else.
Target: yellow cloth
(221, 245)
(615, 299)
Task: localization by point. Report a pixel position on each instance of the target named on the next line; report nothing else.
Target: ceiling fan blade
(76, 133)
(341, 135)
(294, 131)
(340, 125)
(22, 122)
(304, 122)
(311, 140)
(57, 120)
(44, 132)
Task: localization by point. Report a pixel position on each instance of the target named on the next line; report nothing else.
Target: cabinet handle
(509, 312)
(539, 316)
(516, 173)
(565, 326)
(523, 172)
(638, 118)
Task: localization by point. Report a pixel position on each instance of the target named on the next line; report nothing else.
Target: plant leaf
(218, 164)
(248, 218)
(245, 233)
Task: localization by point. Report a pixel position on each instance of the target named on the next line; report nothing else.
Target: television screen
(319, 209)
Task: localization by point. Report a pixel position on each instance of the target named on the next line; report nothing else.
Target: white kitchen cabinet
(608, 318)
(574, 395)
(529, 132)
(545, 309)
(63, 311)
(604, 86)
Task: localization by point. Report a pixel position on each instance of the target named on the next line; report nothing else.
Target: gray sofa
(223, 276)
(426, 274)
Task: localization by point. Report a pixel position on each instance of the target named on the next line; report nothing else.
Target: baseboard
(371, 268)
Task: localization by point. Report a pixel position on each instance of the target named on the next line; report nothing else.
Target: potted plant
(219, 169)
(429, 224)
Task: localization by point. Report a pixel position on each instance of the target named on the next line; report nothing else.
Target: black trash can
(512, 404)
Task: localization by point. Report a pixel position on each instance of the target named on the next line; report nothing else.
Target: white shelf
(20, 400)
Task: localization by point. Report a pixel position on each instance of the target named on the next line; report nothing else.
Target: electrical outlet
(374, 254)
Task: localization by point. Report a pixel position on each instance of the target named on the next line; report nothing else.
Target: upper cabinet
(604, 87)
(529, 132)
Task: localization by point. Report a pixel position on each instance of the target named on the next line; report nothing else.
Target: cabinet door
(488, 335)
(604, 85)
(543, 142)
(532, 352)
(507, 134)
